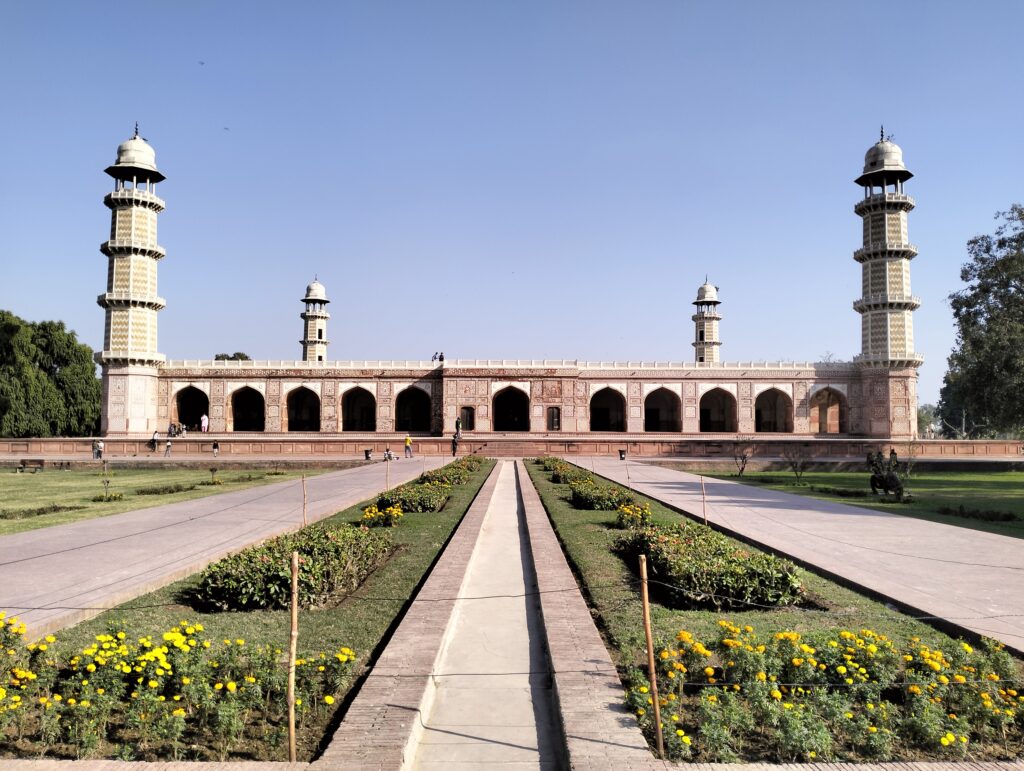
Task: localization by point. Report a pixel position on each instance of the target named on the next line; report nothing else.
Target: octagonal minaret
(130, 357)
(706, 341)
(885, 305)
(314, 339)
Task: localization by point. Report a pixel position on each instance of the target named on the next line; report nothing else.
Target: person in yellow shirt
(408, 446)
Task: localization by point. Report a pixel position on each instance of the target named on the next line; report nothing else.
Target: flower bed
(429, 496)
(840, 695)
(588, 494)
(374, 517)
(455, 473)
(166, 695)
(332, 561)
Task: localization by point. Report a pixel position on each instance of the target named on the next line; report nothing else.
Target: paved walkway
(493, 700)
(57, 576)
(971, 578)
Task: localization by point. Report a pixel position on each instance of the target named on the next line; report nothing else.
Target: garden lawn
(359, 622)
(612, 589)
(991, 490)
(24, 497)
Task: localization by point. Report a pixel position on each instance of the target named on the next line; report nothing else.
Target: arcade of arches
(303, 410)
(358, 411)
(412, 410)
(511, 410)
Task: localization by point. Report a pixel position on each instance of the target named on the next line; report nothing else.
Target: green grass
(587, 537)
(22, 494)
(992, 490)
(359, 622)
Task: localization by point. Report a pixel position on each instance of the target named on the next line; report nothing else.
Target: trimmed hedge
(566, 473)
(331, 562)
(588, 494)
(415, 497)
(698, 567)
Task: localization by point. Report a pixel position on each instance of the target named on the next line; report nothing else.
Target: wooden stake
(387, 474)
(703, 501)
(651, 671)
(293, 644)
(304, 522)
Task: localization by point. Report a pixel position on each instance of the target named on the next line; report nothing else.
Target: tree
(48, 383)
(981, 392)
(925, 419)
(236, 356)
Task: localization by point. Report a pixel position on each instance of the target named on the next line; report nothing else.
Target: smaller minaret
(314, 339)
(706, 340)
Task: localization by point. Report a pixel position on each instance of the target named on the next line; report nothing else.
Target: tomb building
(873, 396)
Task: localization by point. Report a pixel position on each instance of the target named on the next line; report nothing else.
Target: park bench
(36, 464)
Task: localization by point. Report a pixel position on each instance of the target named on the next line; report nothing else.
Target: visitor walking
(95, 450)
(408, 446)
(204, 423)
(458, 427)
(455, 445)
(154, 440)
(99, 449)
(167, 448)
(216, 448)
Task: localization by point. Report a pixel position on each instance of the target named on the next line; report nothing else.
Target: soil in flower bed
(693, 719)
(360, 622)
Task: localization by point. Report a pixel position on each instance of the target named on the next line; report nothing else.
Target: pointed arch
(510, 408)
(412, 410)
(358, 410)
(662, 411)
(248, 410)
(829, 412)
(718, 411)
(607, 411)
(190, 404)
(773, 412)
(303, 410)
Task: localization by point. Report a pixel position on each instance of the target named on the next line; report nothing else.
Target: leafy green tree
(981, 392)
(48, 383)
(236, 356)
(925, 418)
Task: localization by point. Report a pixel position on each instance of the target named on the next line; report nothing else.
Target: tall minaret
(129, 357)
(886, 305)
(706, 340)
(314, 339)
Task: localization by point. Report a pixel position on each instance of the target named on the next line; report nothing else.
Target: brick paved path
(68, 573)
(971, 578)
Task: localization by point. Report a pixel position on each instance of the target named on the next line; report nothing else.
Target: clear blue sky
(504, 179)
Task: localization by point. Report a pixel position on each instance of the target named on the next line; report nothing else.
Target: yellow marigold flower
(179, 712)
(328, 699)
(709, 671)
(776, 695)
(872, 729)
(232, 687)
(50, 638)
(841, 670)
(218, 686)
(186, 680)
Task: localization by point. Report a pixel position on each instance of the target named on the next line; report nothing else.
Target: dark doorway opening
(358, 411)
(511, 410)
(607, 411)
(468, 415)
(303, 410)
(248, 410)
(192, 405)
(773, 412)
(662, 411)
(828, 412)
(718, 411)
(412, 411)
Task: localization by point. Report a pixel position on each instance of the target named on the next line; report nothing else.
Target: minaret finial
(136, 130)
(881, 133)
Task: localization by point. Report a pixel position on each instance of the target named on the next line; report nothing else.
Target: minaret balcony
(124, 356)
(877, 302)
(886, 201)
(890, 362)
(894, 249)
(120, 247)
(130, 299)
(121, 199)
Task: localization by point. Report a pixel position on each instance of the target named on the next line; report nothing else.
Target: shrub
(53, 508)
(374, 517)
(698, 567)
(589, 494)
(633, 516)
(985, 515)
(104, 497)
(178, 487)
(840, 492)
(452, 474)
(430, 496)
(565, 473)
(331, 562)
(548, 462)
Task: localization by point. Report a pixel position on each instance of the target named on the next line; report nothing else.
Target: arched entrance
(358, 411)
(662, 411)
(303, 410)
(468, 415)
(607, 411)
(191, 405)
(412, 411)
(247, 410)
(828, 412)
(511, 410)
(718, 411)
(773, 412)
